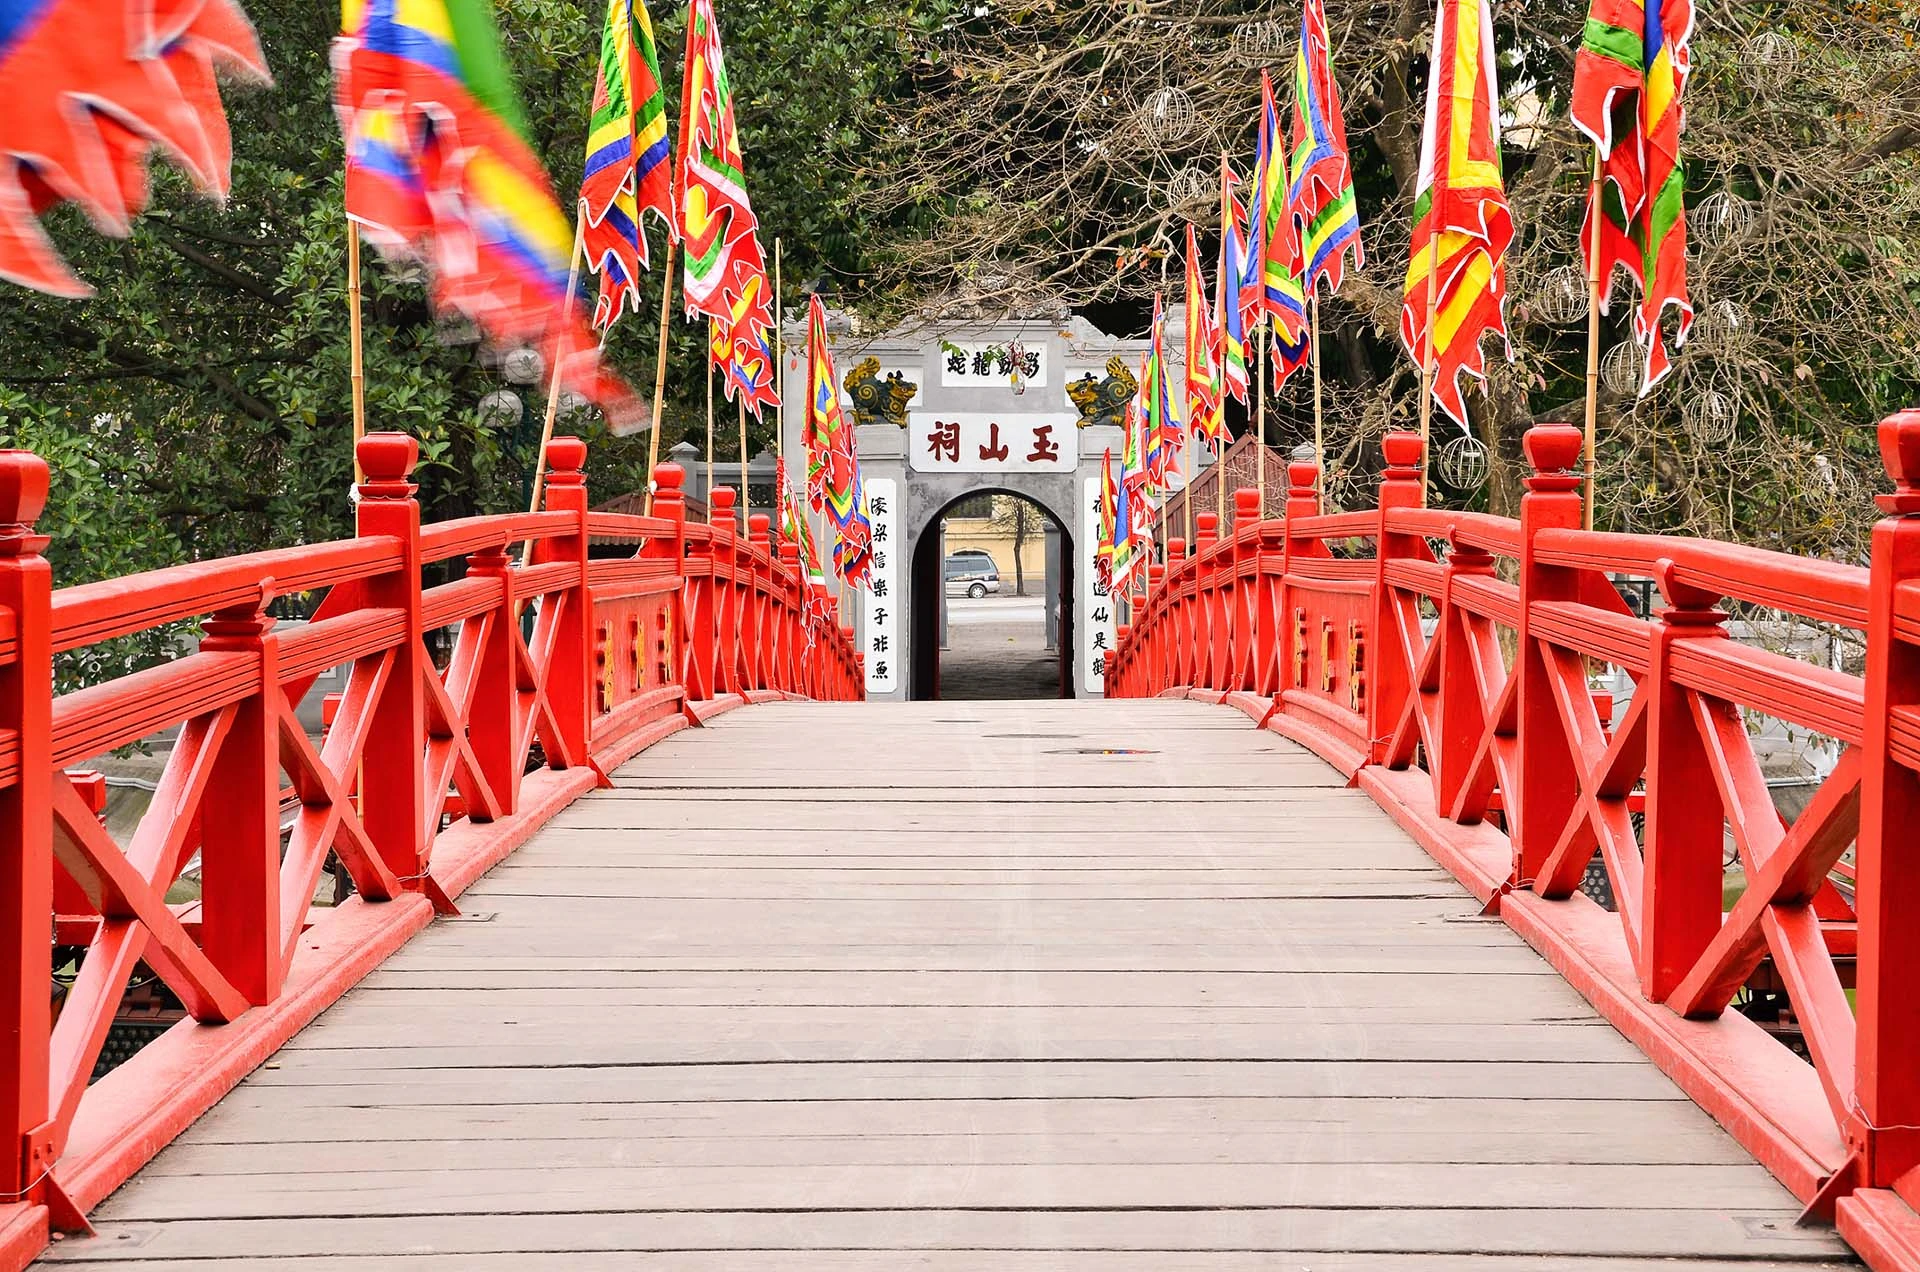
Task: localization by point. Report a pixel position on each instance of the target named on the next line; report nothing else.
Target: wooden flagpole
(1319, 417)
(660, 367)
(779, 380)
(1260, 451)
(553, 372)
(358, 376)
(741, 403)
(1220, 470)
(1427, 366)
(709, 362)
(1593, 330)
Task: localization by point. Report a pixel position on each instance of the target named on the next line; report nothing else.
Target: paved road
(997, 649)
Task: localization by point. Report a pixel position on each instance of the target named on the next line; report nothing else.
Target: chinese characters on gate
(987, 442)
(976, 365)
(1099, 622)
(880, 621)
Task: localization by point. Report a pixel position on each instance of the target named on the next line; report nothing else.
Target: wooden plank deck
(1127, 986)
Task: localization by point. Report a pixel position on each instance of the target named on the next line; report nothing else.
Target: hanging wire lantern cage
(522, 365)
(1169, 116)
(1771, 58)
(1562, 298)
(1624, 369)
(1190, 184)
(1719, 219)
(1463, 463)
(1259, 43)
(1711, 416)
(1721, 327)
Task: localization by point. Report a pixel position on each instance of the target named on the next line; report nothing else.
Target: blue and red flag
(439, 169)
(1321, 199)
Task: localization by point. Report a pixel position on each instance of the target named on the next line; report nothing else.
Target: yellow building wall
(983, 535)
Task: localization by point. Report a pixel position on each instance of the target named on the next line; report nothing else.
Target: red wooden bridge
(630, 978)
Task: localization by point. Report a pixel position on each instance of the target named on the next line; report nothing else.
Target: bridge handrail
(1448, 674)
(432, 764)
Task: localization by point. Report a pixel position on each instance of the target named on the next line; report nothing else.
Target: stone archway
(922, 549)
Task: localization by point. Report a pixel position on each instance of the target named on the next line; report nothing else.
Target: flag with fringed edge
(725, 267)
(833, 466)
(1321, 199)
(90, 91)
(1460, 208)
(1273, 265)
(1109, 521)
(1228, 324)
(1629, 79)
(438, 169)
(1205, 413)
(628, 169)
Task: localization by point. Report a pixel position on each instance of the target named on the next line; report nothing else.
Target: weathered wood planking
(1036, 987)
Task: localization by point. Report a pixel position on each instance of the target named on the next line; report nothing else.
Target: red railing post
(792, 638)
(1154, 629)
(393, 787)
(1887, 900)
(726, 591)
(1252, 631)
(1460, 715)
(1212, 617)
(1180, 640)
(1392, 678)
(240, 848)
(570, 668)
(759, 634)
(494, 705)
(26, 830)
(1545, 775)
(1303, 501)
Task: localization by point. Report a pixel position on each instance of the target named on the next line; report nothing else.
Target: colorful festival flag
(439, 169)
(92, 86)
(1109, 521)
(1206, 415)
(1127, 530)
(627, 170)
(1321, 198)
(726, 271)
(1273, 239)
(833, 467)
(1228, 319)
(1163, 431)
(795, 529)
(1462, 225)
(1628, 81)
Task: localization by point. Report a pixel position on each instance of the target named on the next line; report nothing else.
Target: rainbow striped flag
(1635, 54)
(1206, 415)
(627, 170)
(726, 272)
(833, 466)
(1109, 521)
(1228, 316)
(439, 169)
(1274, 241)
(1462, 225)
(92, 87)
(1321, 198)
(1164, 433)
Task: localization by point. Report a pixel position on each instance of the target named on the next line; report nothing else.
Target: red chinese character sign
(990, 442)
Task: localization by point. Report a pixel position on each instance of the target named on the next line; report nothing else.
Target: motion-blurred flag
(1205, 413)
(726, 272)
(1228, 323)
(1321, 198)
(1462, 226)
(439, 169)
(1274, 242)
(833, 467)
(1628, 80)
(92, 86)
(628, 168)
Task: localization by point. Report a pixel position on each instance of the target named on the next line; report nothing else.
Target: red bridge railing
(1441, 659)
(560, 668)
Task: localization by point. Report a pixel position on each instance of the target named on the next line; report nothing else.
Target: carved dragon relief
(878, 401)
(1104, 401)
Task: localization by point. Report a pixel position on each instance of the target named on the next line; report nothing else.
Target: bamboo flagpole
(1319, 416)
(779, 378)
(1427, 364)
(741, 404)
(1593, 331)
(660, 367)
(358, 377)
(1220, 473)
(709, 361)
(1260, 451)
(553, 372)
